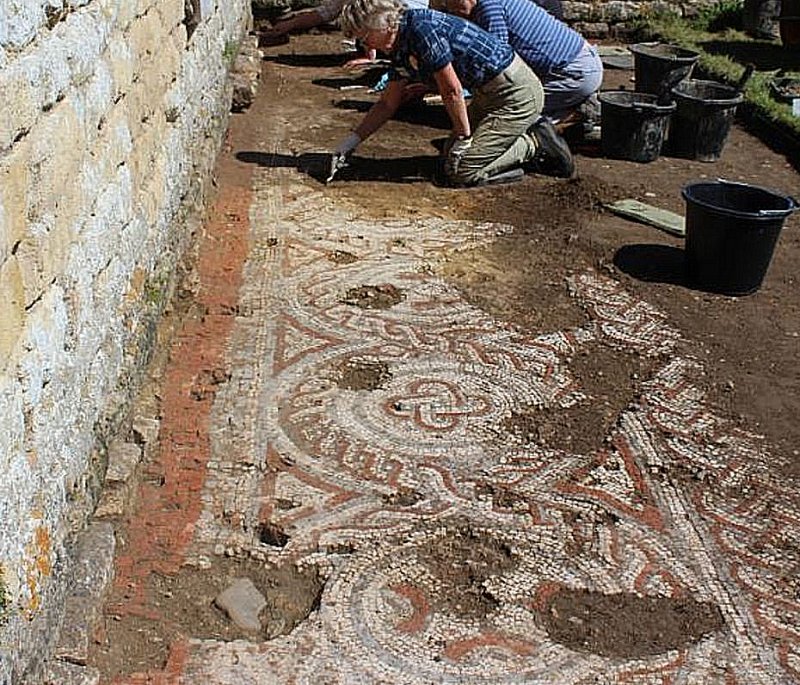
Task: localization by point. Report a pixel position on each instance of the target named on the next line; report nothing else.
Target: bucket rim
(648, 101)
(642, 49)
(761, 215)
(736, 95)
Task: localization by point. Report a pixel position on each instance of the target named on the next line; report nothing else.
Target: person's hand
(338, 158)
(358, 63)
(454, 150)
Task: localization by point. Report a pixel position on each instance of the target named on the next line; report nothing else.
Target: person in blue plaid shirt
(569, 67)
(503, 130)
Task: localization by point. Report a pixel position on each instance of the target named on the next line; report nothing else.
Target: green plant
(723, 68)
(723, 14)
(230, 51)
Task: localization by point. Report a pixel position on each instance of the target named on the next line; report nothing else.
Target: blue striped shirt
(428, 41)
(539, 38)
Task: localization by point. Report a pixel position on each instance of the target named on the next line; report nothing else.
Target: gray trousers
(500, 114)
(568, 86)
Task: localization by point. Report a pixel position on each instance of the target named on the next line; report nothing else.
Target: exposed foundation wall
(110, 118)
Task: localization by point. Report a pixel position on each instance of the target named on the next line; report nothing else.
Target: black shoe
(553, 156)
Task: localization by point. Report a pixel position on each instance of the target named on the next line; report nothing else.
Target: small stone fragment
(243, 603)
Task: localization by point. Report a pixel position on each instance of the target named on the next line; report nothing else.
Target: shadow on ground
(653, 263)
(765, 56)
(321, 61)
(412, 169)
(417, 113)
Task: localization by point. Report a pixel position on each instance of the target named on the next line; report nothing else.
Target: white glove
(455, 149)
(338, 159)
(350, 143)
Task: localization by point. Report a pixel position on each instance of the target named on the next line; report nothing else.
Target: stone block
(12, 418)
(243, 603)
(96, 100)
(19, 23)
(145, 430)
(145, 35)
(618, 11)
(18, 113)
(596, 29)
(207, 8)
(14, 182)
(123, 458)
(112, 504)
(120, 64)
(42, 345)
(56, 159)
(172, 13)
(93, 569)
(12, 313)
(85, 37)
(64, 673)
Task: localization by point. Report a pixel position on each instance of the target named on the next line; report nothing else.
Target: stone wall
(111, 114)
(593, 18)
(617, 18)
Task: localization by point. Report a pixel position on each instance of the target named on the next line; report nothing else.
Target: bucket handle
(748, 72)
(795, 205)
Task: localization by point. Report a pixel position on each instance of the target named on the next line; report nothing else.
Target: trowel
(334, 163)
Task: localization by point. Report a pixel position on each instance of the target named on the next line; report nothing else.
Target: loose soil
(186, 609)
(461, 561)
(625, 625)
(374, 296)
(611, 381)
(749, 345)
(361, 374)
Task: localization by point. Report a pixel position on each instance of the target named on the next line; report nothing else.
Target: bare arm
(452, 93)
(301, 21)
(383, 110)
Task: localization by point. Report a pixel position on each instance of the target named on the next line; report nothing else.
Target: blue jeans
(568, 86)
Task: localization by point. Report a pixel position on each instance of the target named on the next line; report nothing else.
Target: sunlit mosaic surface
(366, 482)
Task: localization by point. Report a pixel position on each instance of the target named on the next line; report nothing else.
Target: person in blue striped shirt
(503, 129)
(569, 67)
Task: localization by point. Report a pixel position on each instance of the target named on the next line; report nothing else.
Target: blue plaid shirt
(428, 41)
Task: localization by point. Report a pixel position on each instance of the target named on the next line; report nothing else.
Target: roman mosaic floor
(362, 431)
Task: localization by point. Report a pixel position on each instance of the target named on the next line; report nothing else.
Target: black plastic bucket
(702, 119)
(658, 65)
(731, 231)
(634, 125)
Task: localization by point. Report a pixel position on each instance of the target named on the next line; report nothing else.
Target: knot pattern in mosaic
(370, 432)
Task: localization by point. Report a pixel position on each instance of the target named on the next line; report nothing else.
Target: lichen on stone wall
(5, 600)
(38, 567)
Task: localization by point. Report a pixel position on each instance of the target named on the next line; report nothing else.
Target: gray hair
(359, 16)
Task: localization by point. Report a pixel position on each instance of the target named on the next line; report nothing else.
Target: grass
(725, 50)
(230, 51)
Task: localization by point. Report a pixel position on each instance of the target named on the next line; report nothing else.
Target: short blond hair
(359, 16)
